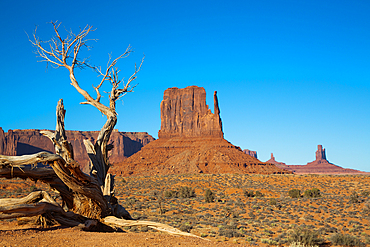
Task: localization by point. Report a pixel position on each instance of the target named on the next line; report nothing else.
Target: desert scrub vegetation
(253, 193)
(313, 193)
(366, 209)
(182, 192)
(209, 196)
(354, 198)
(294, 193)
(305, 236)
(345, 240)
(254, 217)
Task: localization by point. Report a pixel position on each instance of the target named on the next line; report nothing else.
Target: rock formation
(20, 142)
(319, 166)
(184, 113)
(190, 141)
(320, 153)
(251, 153)
(273, 161)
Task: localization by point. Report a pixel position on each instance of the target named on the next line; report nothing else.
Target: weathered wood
(113, 221)
(18, 161)
(33, 197)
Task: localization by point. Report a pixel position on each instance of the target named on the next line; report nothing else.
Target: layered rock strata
(191, 141)
(20, 142)
(251, 153)
(184, 113)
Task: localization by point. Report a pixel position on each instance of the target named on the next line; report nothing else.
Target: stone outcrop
(320, 153)
(7, 143)
(319, 166)
(20, 142)
(191, 141)
(184, 113)
(273, 161)
(251, 153)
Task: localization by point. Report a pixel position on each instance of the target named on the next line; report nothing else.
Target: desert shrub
(354, 198)
(182, 192)
(305, 236)
(258, 194)
(19, 190)
(345, 240)
(313, 193)
(209, 196)
(230, 232)
(253, 193)
(366, 209)
(365, 193)
(272, 202)
(186, 192)
(170, 193)
(294, 193)
(185, 227)
(269, 241)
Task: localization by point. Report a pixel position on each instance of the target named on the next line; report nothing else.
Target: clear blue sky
(289, 74)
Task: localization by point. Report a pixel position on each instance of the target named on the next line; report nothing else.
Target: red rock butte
(191, 141)
(319, 166)
(184, 113)
(21, 142)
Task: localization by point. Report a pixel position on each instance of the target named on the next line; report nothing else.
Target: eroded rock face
(21, 142)
(320, 153)
(184, 113)
(251, 153)
(8, 145)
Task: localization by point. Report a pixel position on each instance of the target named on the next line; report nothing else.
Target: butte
(319, 166)
(191, 141)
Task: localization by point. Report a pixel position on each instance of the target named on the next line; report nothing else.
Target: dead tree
(87, 199)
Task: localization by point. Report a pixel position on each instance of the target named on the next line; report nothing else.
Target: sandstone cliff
(251, 153)
(184, 113)
(190, 141)
(20, 142)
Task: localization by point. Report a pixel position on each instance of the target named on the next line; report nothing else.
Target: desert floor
(233, 218)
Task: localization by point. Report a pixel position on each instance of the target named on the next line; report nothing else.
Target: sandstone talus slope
(192, 155)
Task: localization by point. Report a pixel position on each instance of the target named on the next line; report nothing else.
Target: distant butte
(191, 141)
(21, 142)
(319, 166)
(251, 153)
(273, 161)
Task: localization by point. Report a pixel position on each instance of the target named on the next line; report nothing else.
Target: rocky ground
(247, 209)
